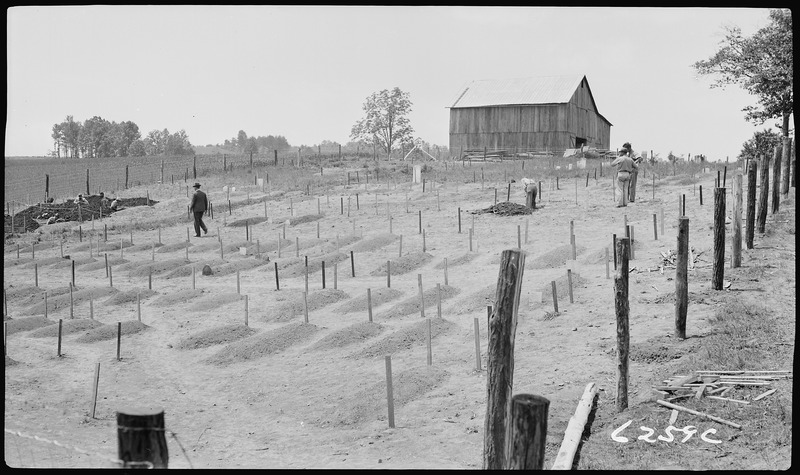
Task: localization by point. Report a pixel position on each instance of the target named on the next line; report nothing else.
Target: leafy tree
(137, 148)
(761, 64)
(241, 140)
(386, 121)
(762, 143)
(251, 146)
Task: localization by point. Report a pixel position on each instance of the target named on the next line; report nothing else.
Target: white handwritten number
(711, 441)
(669, 437)
(615, 435)
(689, 431)
(645, 436)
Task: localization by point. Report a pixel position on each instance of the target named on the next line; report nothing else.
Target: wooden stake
(718, 269)
(622, 309)
(697, 413)
(421, 298)
(389, 396)
(477, 345)
(369, 303)
(527, 432)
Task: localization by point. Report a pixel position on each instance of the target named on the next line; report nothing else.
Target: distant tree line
(97, 137)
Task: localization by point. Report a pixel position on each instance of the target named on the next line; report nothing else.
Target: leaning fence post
(751, 204)
(500, 365)
(736, 244)
(622, 309)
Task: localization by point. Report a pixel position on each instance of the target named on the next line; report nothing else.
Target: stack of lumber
(716, 384)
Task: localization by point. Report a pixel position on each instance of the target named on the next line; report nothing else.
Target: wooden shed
(552, 113)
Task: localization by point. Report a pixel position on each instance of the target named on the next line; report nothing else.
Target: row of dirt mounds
(378, 296)
(63, 301)
(68, 211)
(263, 344)
(130, 296)
(145, 268)
(215, 336)
(412, 305)
(181, 296)
(405, 264)
(356, 333)
(16, 325)
(414, 334)
(369, 403)
(112, 261)
(296, 305)
(247, 222)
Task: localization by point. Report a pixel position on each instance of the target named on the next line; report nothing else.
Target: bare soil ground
(264, 388)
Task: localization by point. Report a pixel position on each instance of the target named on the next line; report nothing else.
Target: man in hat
(625, 167)
(199, 206)
(634, 174)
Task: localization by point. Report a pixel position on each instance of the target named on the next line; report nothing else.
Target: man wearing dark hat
(625, 167)
(199, 206)
(634, 174)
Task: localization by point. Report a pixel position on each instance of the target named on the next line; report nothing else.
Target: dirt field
(280, 392)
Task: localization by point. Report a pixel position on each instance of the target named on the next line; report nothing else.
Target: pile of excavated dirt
(412, 335)
(30, 217)
(215, 336)
(356, 333)
(264, 344)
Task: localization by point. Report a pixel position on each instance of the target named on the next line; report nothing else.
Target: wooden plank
(575, 428)
(698, 413)
(720, 398)
(764, 394)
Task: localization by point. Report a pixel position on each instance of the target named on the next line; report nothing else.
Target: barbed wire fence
(23, 450)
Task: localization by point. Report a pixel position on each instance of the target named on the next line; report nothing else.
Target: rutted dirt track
(280, 392)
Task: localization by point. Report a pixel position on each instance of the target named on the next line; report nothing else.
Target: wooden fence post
(622, 309)
(761, 217)
(718, 269)
(527, 432)
(681, 278)
(736, 244)
(500, 365)
(751, 204)
(776, 179)
(141, 437)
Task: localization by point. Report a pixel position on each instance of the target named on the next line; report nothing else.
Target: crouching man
(531, 191)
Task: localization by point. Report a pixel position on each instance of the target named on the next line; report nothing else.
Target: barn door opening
(580, 142)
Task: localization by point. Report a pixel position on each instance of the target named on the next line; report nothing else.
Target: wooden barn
(552, 113)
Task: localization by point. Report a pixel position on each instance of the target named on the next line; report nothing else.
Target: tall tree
(761, 64)
(762, 143)
(386, 121)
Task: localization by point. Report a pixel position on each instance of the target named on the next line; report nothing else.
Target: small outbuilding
(552, 113)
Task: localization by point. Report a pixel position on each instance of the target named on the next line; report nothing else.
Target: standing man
(199, 206)
(634, 174)
(625, 167)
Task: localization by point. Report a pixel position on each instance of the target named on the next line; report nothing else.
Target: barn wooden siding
(534, 126)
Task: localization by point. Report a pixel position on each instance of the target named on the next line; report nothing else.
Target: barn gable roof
(518, 91)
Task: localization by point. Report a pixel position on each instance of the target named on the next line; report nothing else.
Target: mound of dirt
(263, 344)
(344, 241)
(308, 218)
(68, 211)
(145, 247)
(47, 261)
(107, 332)
(111, 246)
(296, 306)
(379, 297)
(157, 267)
(475, 302)
(662, 349)
(240, 223)
(67, 327)
(14, 325)
(298, 269)
(505, 208)
(411, 304)
(185, 269)
(415, 334)
(180, 296)
(558, 257)
(405, 264)
(17, 262)
(369, 404)
(215, 336)
(215, 301)
(129, 296)
(36, 297)
(175, 246)
(23, 291)
(238, 265)
(67, 262)
(562, 288)
(458, 261)
(373, 244)
(357, 333)
(101, 264)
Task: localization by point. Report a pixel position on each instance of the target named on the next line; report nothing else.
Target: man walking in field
(625, 166)
(199, 206)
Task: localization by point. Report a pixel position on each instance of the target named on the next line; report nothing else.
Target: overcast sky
(305, 72)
